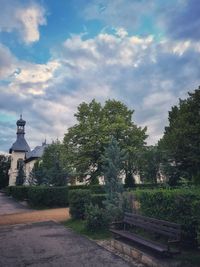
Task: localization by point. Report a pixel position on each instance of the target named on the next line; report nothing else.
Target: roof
(20, 144)
(37, 152)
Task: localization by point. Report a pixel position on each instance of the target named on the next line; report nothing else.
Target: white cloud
(146, 75)
(23, 19)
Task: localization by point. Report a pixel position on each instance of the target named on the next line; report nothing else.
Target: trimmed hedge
(97, 199)
(176, 205)
(95, 189)
(78, 200)
(43, 196)
(18, 192)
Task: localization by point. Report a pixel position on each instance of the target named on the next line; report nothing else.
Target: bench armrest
(114, 224)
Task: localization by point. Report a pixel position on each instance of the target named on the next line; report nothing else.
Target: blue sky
(56, 54)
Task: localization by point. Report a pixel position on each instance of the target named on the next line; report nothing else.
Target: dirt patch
(59, 215)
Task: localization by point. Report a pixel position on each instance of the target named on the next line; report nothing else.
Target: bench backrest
(165, 228)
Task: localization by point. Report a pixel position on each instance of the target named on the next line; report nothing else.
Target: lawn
(79, 227)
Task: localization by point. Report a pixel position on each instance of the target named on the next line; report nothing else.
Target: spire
(20, 144)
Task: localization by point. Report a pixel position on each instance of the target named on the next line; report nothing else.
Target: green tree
(113, 163)
(21, 177)
(55, 172)
(38, 175)
(84, 143)
(181, 140)
(149, 164)
(4, 167)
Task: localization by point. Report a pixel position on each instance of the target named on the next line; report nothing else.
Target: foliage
(52, 162)
(84, 143)
(20, 179)
(38, 174)
(98, 199)
(149, 164)
(129, 181)
(4, 167)
(19, 192)
(44, 196)
(96, 218)
(113, 160)
(175, 205)
(78, 200)
(79, 226)
(181, 140)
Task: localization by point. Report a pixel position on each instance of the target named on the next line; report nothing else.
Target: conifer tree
(113, 161)
(20, 179)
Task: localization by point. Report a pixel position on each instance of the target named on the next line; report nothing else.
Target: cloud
(25, 18)
(182, 21)
(147, 75)
(7, 62)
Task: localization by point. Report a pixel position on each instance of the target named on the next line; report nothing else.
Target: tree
(4, 167)
(55, 172)
(149, 164)
(113, 162)
(38, 175)
(181, 140)
(20, 179)
(85, 142)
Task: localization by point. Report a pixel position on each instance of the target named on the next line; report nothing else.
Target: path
(50, 244)
(8, 205)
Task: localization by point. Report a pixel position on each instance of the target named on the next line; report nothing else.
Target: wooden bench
(159, 227)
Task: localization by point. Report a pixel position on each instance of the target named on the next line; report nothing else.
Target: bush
(96, 218)
(98, 199)
(95, 189)
(175, 205)
(18, 192)
(78, 200)
(43, 196)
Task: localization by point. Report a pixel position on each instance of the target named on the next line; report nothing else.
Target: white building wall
(13, 171)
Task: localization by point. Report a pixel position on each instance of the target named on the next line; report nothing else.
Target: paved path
(50, 244)
(8, 205)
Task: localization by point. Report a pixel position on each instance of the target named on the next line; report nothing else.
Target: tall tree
(4, 167)
(55, 171)
(21, 177)
(85, 142)
(149, 164)
(181, 140)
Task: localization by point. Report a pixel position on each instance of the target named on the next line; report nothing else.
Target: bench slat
(158, 247)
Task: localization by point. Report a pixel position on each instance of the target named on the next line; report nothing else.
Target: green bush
(95, 189)
(43, 196)
(175, 205)
(78, 200)
(18, 192)
(98, 199)
(96, 218)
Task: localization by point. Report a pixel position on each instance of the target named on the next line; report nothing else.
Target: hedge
(43, 196)
(97, 199)
(95, 189)
(18, 192)
(78, 200)
(176, 205)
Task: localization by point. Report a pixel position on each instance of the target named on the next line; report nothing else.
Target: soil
(58, 215)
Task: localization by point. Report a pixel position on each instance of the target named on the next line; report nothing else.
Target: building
(22, 154)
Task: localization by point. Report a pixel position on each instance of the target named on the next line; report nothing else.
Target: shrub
(175, 205)
(78, 200)
(96, 218)
(98, 199)
(43, 196)
(18, 192)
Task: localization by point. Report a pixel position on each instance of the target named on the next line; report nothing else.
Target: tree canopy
(181, 140)
(85, 142)
(4, 167)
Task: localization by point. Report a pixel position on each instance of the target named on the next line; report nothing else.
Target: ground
(51, 244)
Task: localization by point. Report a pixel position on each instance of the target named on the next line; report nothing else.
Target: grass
(189, 258)
(79, 227)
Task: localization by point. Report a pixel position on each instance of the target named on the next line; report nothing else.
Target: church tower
(18, 151)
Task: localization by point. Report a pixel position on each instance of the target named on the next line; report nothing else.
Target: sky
(56, 54)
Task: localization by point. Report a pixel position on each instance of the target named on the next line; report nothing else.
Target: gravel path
(49, 244)
(61, 214)
(8, 205)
